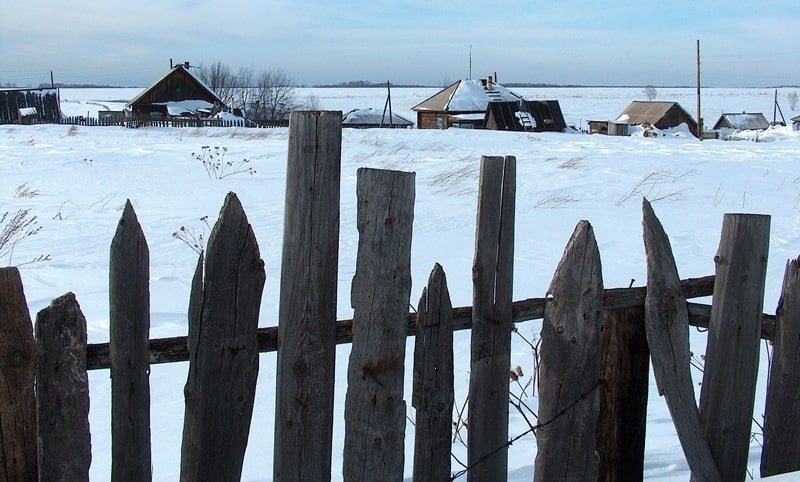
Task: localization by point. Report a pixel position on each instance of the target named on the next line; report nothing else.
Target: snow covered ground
(76, 180)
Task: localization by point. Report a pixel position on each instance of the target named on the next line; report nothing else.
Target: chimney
(489, 83)
(186, 65)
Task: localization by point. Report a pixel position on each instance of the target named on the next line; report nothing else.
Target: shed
(742, 122)
(23, 105)
(525, 115)
(661, 115)
(177, 93)
(611, 128)
(373, 118)
(796, 123)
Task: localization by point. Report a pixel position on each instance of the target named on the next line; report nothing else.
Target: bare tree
(275, 95)
(221, 79)
(650, 92)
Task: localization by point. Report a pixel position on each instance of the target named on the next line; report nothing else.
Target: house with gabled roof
(742, 122)
(485, 104)
(661, 115)
(177, 93)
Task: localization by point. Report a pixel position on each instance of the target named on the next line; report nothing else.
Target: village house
(661, 115)
(178, 93)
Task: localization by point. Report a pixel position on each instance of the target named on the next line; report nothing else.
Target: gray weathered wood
(223, 365)
(374, 406)
(17, 365)
(173, 349)
(623, 397)
(62, 392)
(129, 333)
(433, 393)
(727, 395)
(307, 317)
(781, 452)
(667, 326)
(569, 368)
(490, 353)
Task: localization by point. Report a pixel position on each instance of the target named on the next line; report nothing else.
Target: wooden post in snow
(223, 350)
(569, 369)
(667, 325)
(433, 395)
(17, 365)
(727, 396)
(129, 334)
(62, 392)
(490, 357)
(307, 318)
(781, 452)
(375, 411)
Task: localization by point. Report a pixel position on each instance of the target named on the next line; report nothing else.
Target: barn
(742, 122)
(373, 118)
(661, 115)
(796, 123)
(29, 106)
(178, 93)
(485, 104)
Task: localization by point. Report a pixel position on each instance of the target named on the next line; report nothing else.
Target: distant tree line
(267, 95)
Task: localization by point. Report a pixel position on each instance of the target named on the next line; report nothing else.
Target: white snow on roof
(472, 96)
(186, 107)
(374, 116)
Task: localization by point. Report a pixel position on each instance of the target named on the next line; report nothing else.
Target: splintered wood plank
(667, 327)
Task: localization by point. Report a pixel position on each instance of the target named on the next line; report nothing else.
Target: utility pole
(52, 84)
(699, 117)
(470, 62)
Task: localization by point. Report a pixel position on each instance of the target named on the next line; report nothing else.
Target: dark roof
(742, 122)
(525, 115)
(177, 84)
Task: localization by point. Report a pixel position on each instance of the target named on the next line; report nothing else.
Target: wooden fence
(149, 122)
(596, 345)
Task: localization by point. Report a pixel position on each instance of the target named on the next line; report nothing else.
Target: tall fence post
(781, 452)
(667, 325)
(727, 395)
(375, 411)
(433, 395)
(307, 319)
(223, 359)
(129, 336)
(569, 369)
(625, 370)
(62, 391)
(17, 365)
(490, 352)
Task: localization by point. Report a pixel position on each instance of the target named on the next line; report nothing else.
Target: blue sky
(415, 41)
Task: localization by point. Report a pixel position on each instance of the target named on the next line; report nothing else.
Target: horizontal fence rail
(174, 349)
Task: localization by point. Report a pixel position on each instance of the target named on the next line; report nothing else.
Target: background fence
(596, 345)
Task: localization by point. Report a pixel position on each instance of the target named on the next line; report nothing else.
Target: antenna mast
(699, 118)
(470, 62)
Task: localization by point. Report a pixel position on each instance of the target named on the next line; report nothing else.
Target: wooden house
(485, 104)
(796, 123)
(178, 93)
(29, 105)
(373, 118)
(661, 115)
(742, 122)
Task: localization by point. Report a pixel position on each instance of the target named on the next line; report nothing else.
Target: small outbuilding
(177, 93)
(742, 122)
(796, 123)
(373, 118)
(661, 115)
(609, 128)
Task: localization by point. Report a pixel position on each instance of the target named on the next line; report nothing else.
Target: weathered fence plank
(667, 327)
(490, 357)
(223, 366)
(433, 393)
(781, 452)
(174, 349)
(374, 406)
(17, 365)
(62, 391)
(727, 395)
(129, 334)
(623, 397)
(307, 318)
(569, 369)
